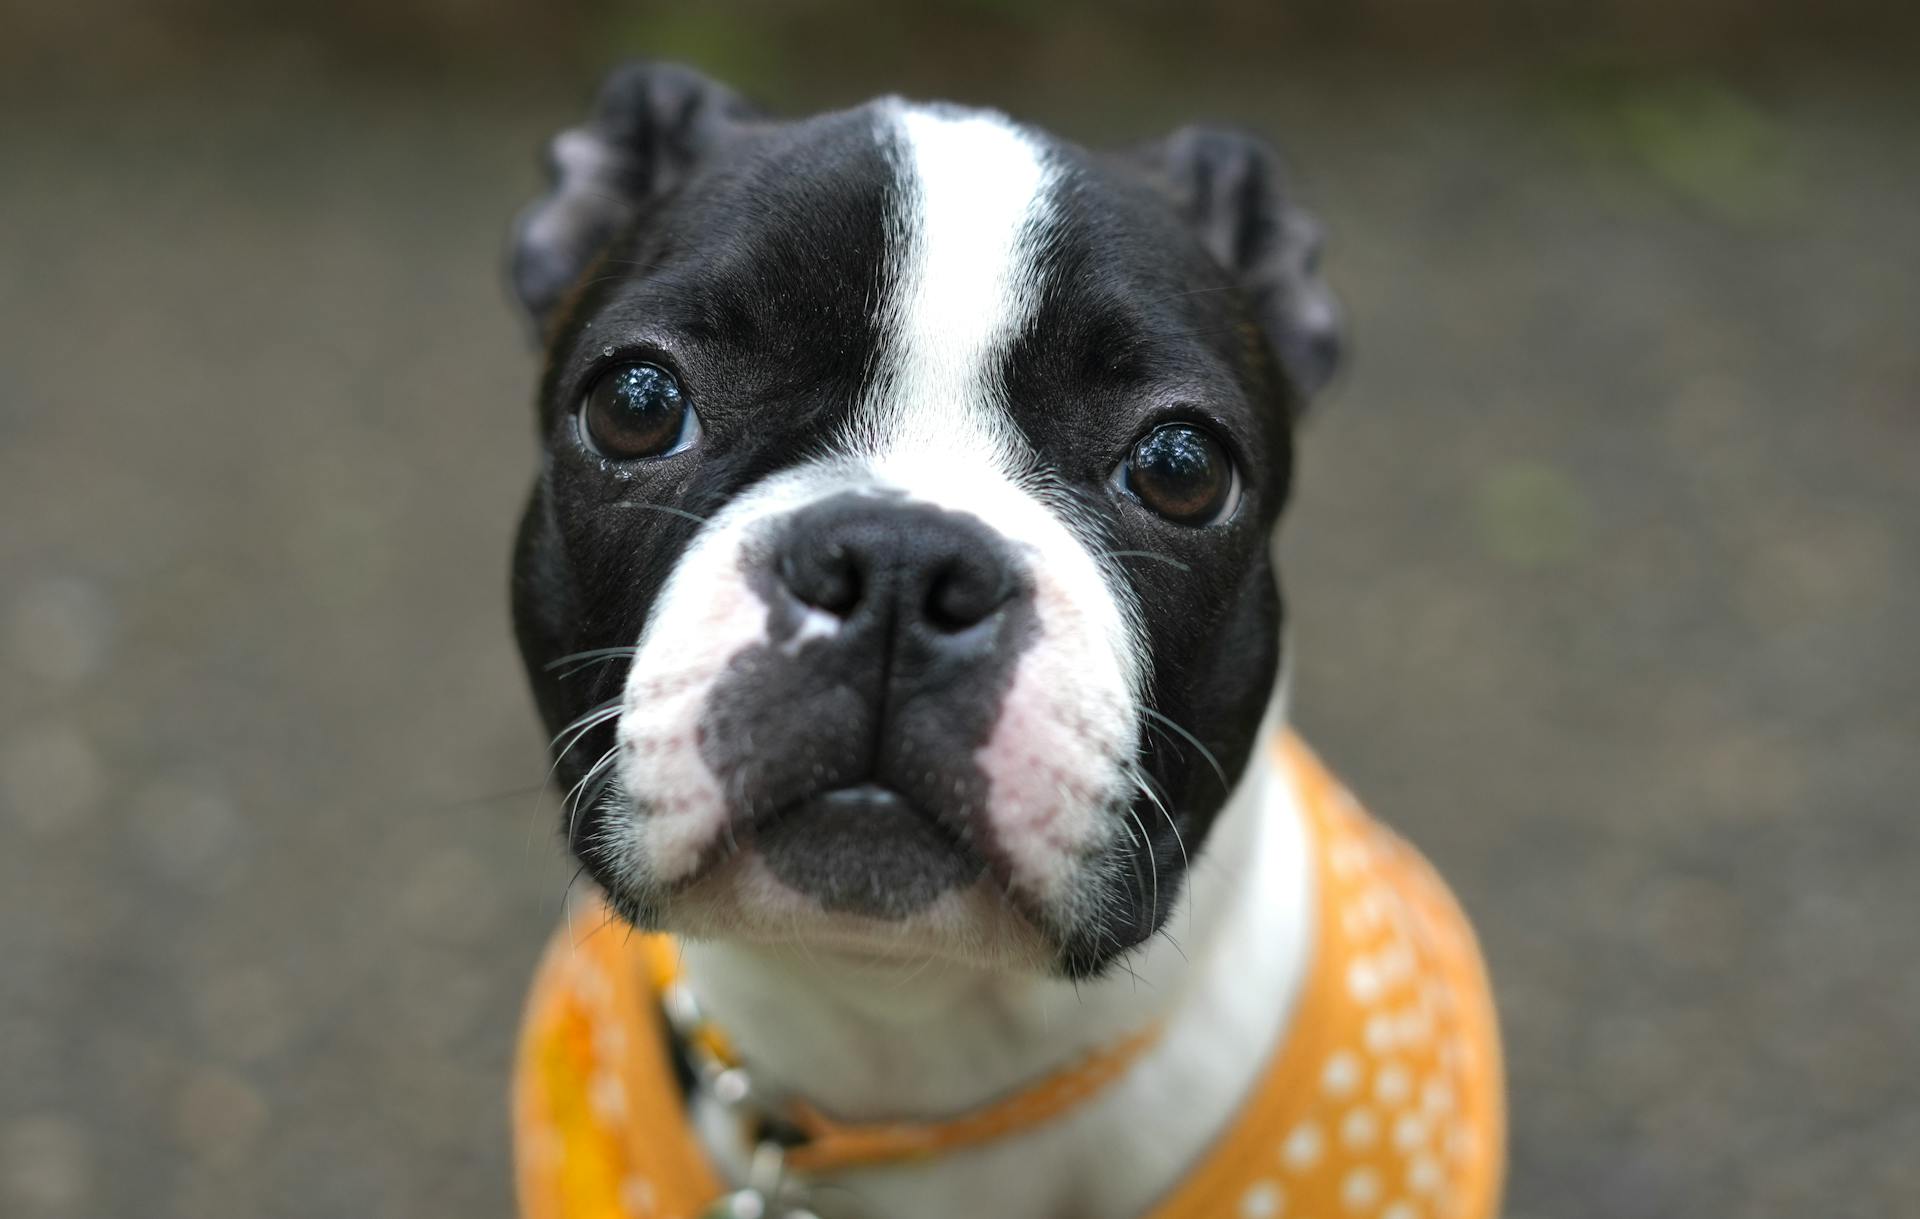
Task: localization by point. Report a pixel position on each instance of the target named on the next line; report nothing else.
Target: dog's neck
(866, 1044)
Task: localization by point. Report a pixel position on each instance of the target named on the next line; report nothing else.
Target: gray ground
(1603, 575)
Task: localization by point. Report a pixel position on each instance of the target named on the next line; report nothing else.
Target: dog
(897, 584)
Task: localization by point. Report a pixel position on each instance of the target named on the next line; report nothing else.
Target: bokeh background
(1603, 567)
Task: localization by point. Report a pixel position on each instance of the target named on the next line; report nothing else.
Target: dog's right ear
(651, 126)
(1231, 190)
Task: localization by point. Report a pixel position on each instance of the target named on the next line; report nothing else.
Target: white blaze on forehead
(974, 206)
(975, 214)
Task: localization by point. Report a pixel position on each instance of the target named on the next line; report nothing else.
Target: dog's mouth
(866, 850)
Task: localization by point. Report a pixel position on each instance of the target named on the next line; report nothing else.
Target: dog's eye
(1182, 473)
(637, 410)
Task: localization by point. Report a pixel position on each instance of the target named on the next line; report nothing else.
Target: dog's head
(897, 573)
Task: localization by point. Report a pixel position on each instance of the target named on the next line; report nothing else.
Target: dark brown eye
(637, 410)
(1182, 473)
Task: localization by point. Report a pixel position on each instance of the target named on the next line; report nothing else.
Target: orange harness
(1385, 1100)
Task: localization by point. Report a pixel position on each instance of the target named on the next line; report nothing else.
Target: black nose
(926, 576)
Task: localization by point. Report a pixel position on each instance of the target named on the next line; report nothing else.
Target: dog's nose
(923, 578)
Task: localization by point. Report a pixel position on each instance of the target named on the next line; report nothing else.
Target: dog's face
(897, 574)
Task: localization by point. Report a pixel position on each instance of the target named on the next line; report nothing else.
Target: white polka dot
(1437, 1096)
(1363, 980)
(1382, 1031)
(1413, 1027)
(1401, 1210)
(1302, 1149)
(610, 1039)
(606, 1094)
(1355, 920)
(1409, 1131)
(1378, 901)
(1361, 1189)
(1360, 1130)
(637, 1197)
(1423, 1174)
(1263, 1200)
(592, 987)
(1396, 962)
(1347, 857)
(1461, 1141)
(1393, 1084)
(1342, 1074)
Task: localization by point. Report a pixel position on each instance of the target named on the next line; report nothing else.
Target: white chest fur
(865, 1041)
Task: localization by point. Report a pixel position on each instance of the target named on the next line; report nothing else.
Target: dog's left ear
(652, 125)
(1233, 192)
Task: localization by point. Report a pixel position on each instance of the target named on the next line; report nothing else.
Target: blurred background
(1602, 570)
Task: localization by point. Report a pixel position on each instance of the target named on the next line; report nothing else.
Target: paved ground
(1604, 574)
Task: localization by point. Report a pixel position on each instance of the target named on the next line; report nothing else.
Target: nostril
(827, 579)
(964, 594)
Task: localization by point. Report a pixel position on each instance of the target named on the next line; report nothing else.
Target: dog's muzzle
(849, 736)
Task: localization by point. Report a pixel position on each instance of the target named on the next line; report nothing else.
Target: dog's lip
(868, 799)
(732, 848)
(875, 799)
(866, 849)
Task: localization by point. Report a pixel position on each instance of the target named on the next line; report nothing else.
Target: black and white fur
(932, 333)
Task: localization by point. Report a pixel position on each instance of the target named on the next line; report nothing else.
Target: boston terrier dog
(897, 584)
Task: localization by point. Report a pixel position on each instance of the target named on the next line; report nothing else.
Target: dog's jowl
(897, 585)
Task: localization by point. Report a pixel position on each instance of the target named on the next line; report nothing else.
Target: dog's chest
(1355, 1073)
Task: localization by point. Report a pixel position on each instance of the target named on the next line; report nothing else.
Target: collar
(813, 1143)
(1385, 1098)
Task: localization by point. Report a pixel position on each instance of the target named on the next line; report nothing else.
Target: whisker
(590, 655)
(626, 266)
(609, 711)
(587, 720)
(584, 665)
(571, 881)
(580, 727)
(1166, 935)
(901, 982)
(574, 796)
(1194, 741)
(800, 939)
(605, 923)
(642, 506)
(1186, 863)
(584, 725)
(737, 798)
(1168, 559)
(1153, 858)
(1149, 789)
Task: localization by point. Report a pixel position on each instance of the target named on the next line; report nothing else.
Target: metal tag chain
(769, 1192)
